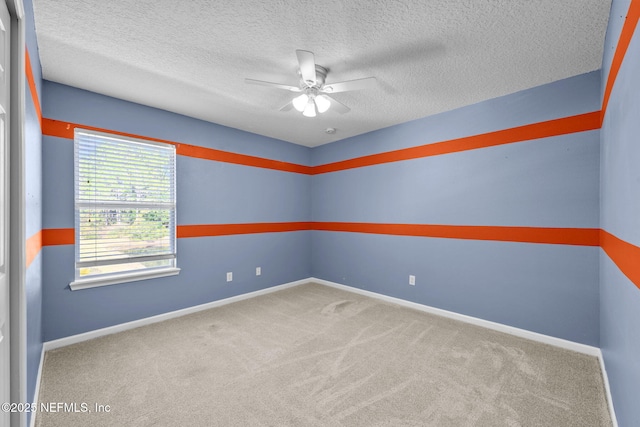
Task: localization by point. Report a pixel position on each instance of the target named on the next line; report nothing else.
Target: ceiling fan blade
(288, 106)
(357, 84)
(338, 106)
(270, 84)
(307, 66)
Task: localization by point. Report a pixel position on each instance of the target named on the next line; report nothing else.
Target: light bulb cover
(300, 102)
(323, 103)
(310, 109)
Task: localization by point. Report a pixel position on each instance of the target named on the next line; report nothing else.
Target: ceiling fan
(314, 91)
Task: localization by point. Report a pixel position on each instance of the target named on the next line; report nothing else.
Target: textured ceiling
(191, 57)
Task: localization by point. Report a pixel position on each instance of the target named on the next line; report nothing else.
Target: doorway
(5, 108)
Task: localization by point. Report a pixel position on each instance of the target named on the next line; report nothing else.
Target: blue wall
(550, 182)
(620, 213)
(33, 187)
(209, 192)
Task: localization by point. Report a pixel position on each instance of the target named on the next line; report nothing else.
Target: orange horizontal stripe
(566, 125)
(32, 85)
(625, 255)
(560, 236)
(626, 34)
(240, 159)
(33, 247)
(66, 130)
(232, 229)
(58, 236)
(66, 236)
(579, 123)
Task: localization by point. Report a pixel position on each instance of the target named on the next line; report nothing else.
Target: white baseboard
(63, 342)
(558, 342)
(605, 378)
(32, 423)
(523, 333)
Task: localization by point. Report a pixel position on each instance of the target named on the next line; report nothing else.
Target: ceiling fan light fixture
(316, 97)
(310, 109)
(323, 103)
(300, 102)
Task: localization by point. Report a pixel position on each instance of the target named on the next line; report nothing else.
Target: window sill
(122, 278)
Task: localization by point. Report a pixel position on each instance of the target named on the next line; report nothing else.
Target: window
(125, 209)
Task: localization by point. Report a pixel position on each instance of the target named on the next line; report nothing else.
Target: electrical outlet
(412, 280)
(258, 271)
(229, 276)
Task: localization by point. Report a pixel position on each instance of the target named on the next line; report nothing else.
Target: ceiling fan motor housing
(321, 75)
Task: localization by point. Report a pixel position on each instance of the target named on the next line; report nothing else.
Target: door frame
(17, 207)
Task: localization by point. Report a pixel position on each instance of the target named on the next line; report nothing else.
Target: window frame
(91, 281)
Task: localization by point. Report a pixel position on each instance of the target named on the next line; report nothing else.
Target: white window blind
(125, 204)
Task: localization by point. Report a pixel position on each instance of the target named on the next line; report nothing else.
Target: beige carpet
(317, 356)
